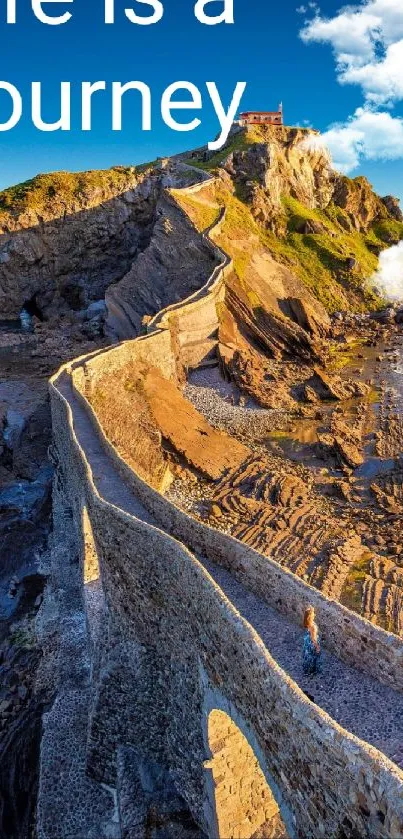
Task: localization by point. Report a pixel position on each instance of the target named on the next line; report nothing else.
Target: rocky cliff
(175, 263)
(327, 229)
(65, 238)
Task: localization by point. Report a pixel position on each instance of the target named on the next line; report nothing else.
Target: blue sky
(263, 48)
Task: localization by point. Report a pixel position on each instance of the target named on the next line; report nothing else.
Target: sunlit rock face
(284, 163)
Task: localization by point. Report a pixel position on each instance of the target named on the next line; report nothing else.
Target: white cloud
(381, 81)
(367, 40)
(350, 34)
(366, 135)
(389, 276)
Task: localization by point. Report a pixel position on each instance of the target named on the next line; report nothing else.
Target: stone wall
(350, 636)
(175, 650)
(326, 782)
(194, 321)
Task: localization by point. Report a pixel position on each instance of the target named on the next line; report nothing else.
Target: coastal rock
(392, 205)
(284, 164)
(359, 201)
(61, 252)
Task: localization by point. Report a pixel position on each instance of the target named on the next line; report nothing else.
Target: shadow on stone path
(362, 705)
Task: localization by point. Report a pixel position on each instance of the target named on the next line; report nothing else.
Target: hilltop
(326, 228)
(65, 238)
(51, 196)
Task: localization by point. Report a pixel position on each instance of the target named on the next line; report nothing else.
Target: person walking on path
(311, 657)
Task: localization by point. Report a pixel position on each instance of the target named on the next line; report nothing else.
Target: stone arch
(242, 801)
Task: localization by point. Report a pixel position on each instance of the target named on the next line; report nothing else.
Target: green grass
(374, 396)
(339, 360)
(48, 196)
(202, 215)
(388, 231)
(237, 142)
(351, 595)
(321, 259)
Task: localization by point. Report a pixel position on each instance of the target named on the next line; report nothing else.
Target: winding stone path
(361, 704)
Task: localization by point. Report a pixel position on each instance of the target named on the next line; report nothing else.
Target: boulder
(97, 309)
(385, 316)
(392, 205)
(327, 387)
(308, 318)
(289, 491)
(356, 197)
(346, 442)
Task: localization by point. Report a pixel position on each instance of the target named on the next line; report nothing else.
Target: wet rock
(98, 309)
(26, 499)
(386, 316)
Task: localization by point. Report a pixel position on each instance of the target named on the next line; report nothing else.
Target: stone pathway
(362, 705)
(106, 478)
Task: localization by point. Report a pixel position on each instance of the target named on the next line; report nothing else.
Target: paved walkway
(361, 704)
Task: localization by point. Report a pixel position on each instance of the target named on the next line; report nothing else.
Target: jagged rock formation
(393, 207)
(360, 203)
(175, 263)
(282, 165)
(327, 229)
(64, 239)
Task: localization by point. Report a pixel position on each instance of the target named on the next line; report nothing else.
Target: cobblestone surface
(360, 704)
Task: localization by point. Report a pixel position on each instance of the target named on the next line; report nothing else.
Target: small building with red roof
(262, 117)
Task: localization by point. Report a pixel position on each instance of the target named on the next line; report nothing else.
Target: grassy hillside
(49, 196)
(321, 260)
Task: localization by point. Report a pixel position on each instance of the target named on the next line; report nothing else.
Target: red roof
(261, 113)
